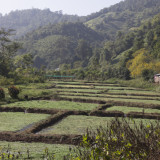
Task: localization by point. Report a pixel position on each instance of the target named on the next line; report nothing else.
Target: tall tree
(8, 49)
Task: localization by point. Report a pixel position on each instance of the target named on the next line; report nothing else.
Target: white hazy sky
(79, 7)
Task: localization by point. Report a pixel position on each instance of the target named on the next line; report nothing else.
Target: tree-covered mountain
(27, 20)
(63, 43)
(101, 40)
(123, 16)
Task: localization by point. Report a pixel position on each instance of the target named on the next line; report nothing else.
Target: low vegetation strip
(53, 105)
(126, 109)
(116, 99)
(107, 113)
(114, 102)
(28, 110)
(80, 100)
(90, 84)
(134, 104)
(108, 96)
(13, 109)
(70, 91)
(50, 139)
(129, 89)
(109, 93)
(65, 87)
(144, 115)
(41, 110)
(135, 94)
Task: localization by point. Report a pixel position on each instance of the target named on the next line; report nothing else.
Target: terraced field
(57, 113)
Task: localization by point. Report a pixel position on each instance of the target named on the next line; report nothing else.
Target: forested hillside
(120, 41)
(138, 52)
(24, 21)
(65, 43)
(123, 16)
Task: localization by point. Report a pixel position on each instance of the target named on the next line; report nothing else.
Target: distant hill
(24, 21)
(123, 16)
(65, 43)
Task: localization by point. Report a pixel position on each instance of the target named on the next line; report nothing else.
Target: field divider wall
(61, 91)
(60, 87)
(115, 103)
(49, 139)
(105, 92)
(85, 95)
(102, 107)
(29, 110)
(93, 87)
(90, 84)
(134, 94)
(143, 115)
(41, 110)
(99, 113)
(134, 104)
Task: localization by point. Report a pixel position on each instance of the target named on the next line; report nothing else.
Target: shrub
(120, 141)
(13, 91)
(148, 75)
(2, 93)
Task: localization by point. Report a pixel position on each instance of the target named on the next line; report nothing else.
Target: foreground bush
(120, 141)
(13, 91)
